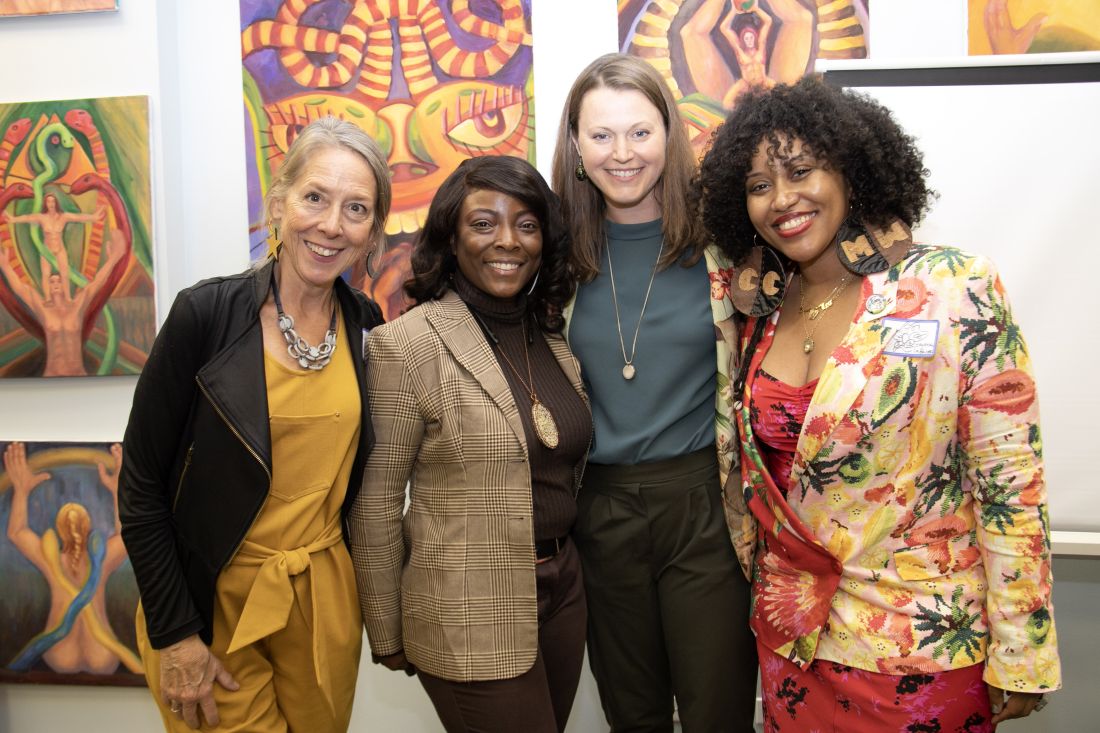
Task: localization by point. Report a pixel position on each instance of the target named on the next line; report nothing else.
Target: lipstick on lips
(793, 223)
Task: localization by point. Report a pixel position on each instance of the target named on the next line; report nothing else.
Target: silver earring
(534, 282)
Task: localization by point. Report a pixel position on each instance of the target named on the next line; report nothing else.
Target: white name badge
(912, 338)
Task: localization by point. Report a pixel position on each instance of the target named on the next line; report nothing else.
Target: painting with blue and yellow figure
(1033, 26)
(433, 82)
(710, 51)
(67, 610)
(76, 268)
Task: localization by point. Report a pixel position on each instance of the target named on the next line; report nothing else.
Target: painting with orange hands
(76, 269)
(710, 51)
(432, 81)
(1032, 26)
(50, 7)
(67, 610)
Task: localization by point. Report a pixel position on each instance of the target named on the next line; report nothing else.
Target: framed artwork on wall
(1032, 26)
(432, 82)
(52, 7)
(76, 269)
(709, 51)
(67, 610)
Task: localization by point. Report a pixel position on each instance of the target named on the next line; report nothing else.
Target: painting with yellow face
(1032, 26)
(432, 82)
(709, 51)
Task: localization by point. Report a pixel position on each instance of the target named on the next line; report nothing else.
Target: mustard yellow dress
(286, 620)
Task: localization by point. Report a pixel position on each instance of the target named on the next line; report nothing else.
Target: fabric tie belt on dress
(267, 609)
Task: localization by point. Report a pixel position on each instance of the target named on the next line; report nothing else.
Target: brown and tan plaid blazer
(452, 582)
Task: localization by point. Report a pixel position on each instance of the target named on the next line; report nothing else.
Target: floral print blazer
(914, 536)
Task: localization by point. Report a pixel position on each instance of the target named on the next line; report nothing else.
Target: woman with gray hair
(243, 454)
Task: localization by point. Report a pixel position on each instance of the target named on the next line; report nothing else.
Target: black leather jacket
(196, 465)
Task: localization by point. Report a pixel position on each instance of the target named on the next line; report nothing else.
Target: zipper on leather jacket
(253, 453)
(183, 475)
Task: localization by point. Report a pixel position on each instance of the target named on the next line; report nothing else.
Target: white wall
(185, 54)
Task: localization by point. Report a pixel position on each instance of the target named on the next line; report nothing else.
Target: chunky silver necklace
(628, 362)
(308, 357)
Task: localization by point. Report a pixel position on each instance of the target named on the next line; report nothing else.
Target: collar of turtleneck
(507, 310)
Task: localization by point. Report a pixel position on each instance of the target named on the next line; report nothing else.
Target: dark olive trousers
(540, 699)
(668, 605)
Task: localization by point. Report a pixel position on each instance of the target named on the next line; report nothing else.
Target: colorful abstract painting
(710, 51)
(67, 610)
(432, 82)
(1033, 26)
(50, 7)
(76, 269)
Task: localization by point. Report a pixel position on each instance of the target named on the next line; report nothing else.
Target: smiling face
(498, 243)
(795, 202)
(621, 140)
(326, 219)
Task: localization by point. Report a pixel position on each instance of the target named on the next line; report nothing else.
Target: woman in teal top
(652, 327)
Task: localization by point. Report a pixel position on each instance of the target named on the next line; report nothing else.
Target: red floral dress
(825, 695)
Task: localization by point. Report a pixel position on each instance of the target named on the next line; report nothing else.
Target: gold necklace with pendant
(546, 428)
(814, 313)
(628, 363)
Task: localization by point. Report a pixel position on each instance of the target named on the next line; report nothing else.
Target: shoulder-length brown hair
(583, 204)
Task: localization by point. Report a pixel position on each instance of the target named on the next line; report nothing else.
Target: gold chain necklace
(628, 363)
(546, 428)
(814, 313)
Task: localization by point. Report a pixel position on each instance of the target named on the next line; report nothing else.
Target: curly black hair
(433, 260)
(850, 132)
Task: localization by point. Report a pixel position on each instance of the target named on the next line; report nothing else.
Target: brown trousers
(539, 700)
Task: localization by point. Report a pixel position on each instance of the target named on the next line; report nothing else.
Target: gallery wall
(186, 57)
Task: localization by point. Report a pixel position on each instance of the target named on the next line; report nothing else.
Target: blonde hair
(73, 527)
(331, 132)
(583, 204)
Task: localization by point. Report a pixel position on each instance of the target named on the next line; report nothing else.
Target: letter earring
(579, 171)
(758, 285)
(865, 250)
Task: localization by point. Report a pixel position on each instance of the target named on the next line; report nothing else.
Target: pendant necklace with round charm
(628, 362)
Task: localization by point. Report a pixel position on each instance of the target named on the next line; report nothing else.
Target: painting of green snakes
(76, 269)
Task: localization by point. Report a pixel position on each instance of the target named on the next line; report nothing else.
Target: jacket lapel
(848, 369)
(461, 335)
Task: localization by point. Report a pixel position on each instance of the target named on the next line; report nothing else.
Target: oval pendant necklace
(546, 428)
(628, 362)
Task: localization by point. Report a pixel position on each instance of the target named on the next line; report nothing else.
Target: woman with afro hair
(889, 431)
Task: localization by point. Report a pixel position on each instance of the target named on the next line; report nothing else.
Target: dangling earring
(757, 287)
(371, 263)
(865, 250)
(534, 281)
(274, 243)
(579, 171)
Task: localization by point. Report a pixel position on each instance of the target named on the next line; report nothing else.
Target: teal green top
(667, 410)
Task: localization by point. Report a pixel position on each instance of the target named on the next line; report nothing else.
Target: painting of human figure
(50, 7)
(76, 268)
(1033, 26)
(710, 51)
(433, 82)
(67, 610)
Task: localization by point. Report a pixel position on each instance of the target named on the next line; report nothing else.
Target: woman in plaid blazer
(478, 407)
